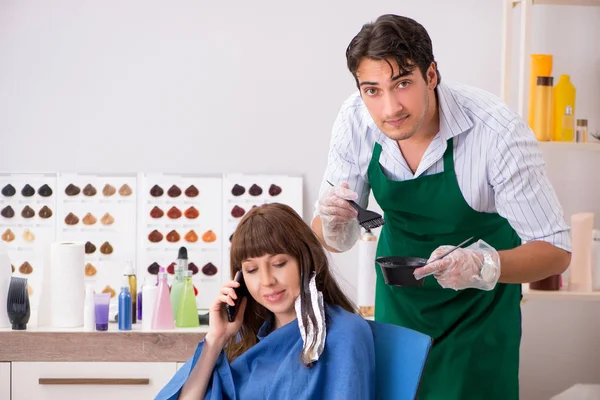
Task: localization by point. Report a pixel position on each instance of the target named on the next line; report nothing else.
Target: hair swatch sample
(89, 219)
(28, 236)
(209, 269)
(209, 236)
(155, 236)
(125, 190)
(174, 213)
(192, 267)
(109, 190)
(9, 190)
(111, 291)
(27, 212)
(192, 213)
(255, 190)
(154, 268)
(237, 212)
(7, 212)
(191, 236)
(45, 212)
(173, 237)
(156, 191)
(156, 212)
(171, 269)
(274, 190)
(13, 267)
(27, 191)
(8, 236)
(26, 268)
(174, 191)
(106, 248)
(192, 191)
(230, 237)
(107, 219)
(89, 190)
(90, 270)
(71, 219)
(45, 191)
(238, 190)
(72, 190)
(89, 248)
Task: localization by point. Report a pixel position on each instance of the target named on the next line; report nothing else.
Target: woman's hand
(220, 329)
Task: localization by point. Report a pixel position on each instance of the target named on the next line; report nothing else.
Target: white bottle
(149, 293)
(89, 316)
(596, 259)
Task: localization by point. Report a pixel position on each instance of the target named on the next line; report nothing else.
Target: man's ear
(432, 78)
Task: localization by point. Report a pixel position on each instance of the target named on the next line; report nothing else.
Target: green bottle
(187, 312)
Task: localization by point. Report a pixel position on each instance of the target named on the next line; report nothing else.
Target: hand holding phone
(239, 291)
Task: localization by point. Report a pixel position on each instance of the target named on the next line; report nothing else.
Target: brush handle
(451, 250)
(352, 202)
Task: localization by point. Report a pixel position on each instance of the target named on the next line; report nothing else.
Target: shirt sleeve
(523, 193)
(342, 160)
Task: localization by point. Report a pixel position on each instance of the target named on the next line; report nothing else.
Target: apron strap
(449, 156)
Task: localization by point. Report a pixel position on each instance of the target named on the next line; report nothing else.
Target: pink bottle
(163, 311)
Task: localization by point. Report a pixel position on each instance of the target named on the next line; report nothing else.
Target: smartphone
(240, 291)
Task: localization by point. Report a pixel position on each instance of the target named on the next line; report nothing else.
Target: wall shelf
(529, 294)
(524, 44)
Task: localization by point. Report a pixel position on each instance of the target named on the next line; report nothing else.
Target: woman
(268, 352)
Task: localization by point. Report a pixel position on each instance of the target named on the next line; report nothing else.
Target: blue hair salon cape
(272, 369)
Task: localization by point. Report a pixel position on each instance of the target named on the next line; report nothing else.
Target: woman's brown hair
(277, 229)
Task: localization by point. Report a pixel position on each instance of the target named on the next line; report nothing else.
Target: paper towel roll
(5, 274)
(67, 288)
(149, 293)
(367, 247)
(580, 278)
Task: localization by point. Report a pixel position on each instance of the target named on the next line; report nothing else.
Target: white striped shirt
(497, 161)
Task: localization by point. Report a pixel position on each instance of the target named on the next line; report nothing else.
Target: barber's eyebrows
(394, 78)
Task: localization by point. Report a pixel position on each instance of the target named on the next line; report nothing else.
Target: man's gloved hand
(338, 217)
(477, 266)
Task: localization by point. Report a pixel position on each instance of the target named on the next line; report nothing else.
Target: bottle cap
(129, 268)
(545, 80)
(582, 122)
(182, 254)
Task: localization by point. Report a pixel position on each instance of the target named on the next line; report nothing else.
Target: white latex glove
(338, 217)
(476, 266)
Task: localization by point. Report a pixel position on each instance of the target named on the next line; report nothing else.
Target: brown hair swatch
(71, 219)
(125, 190)
(106, 248)
(109, 190)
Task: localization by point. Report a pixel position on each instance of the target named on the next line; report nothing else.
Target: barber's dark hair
(396, 37)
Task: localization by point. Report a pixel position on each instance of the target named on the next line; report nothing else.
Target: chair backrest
(400, 356)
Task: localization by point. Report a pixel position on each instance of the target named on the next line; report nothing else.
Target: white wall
(228, 87)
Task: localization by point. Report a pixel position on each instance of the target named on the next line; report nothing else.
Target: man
(445, 162)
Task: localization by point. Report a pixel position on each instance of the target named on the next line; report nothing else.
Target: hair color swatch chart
(176, 211)
(241, 192)
(100, 211)
(28, 225)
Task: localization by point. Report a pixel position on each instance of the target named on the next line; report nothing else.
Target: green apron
(476, 334)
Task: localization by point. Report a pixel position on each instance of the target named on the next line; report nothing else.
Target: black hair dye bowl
(398, 271)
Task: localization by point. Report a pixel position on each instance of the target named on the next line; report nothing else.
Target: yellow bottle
(563, 95)
(540, 65)
(568, 126)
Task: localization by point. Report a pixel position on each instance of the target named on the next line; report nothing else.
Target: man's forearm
(318, 229)
(532, 262)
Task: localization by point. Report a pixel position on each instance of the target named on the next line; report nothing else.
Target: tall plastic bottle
(563, 95)
(125, 306)
(162, 317)
(540, 65)
(187, 312)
